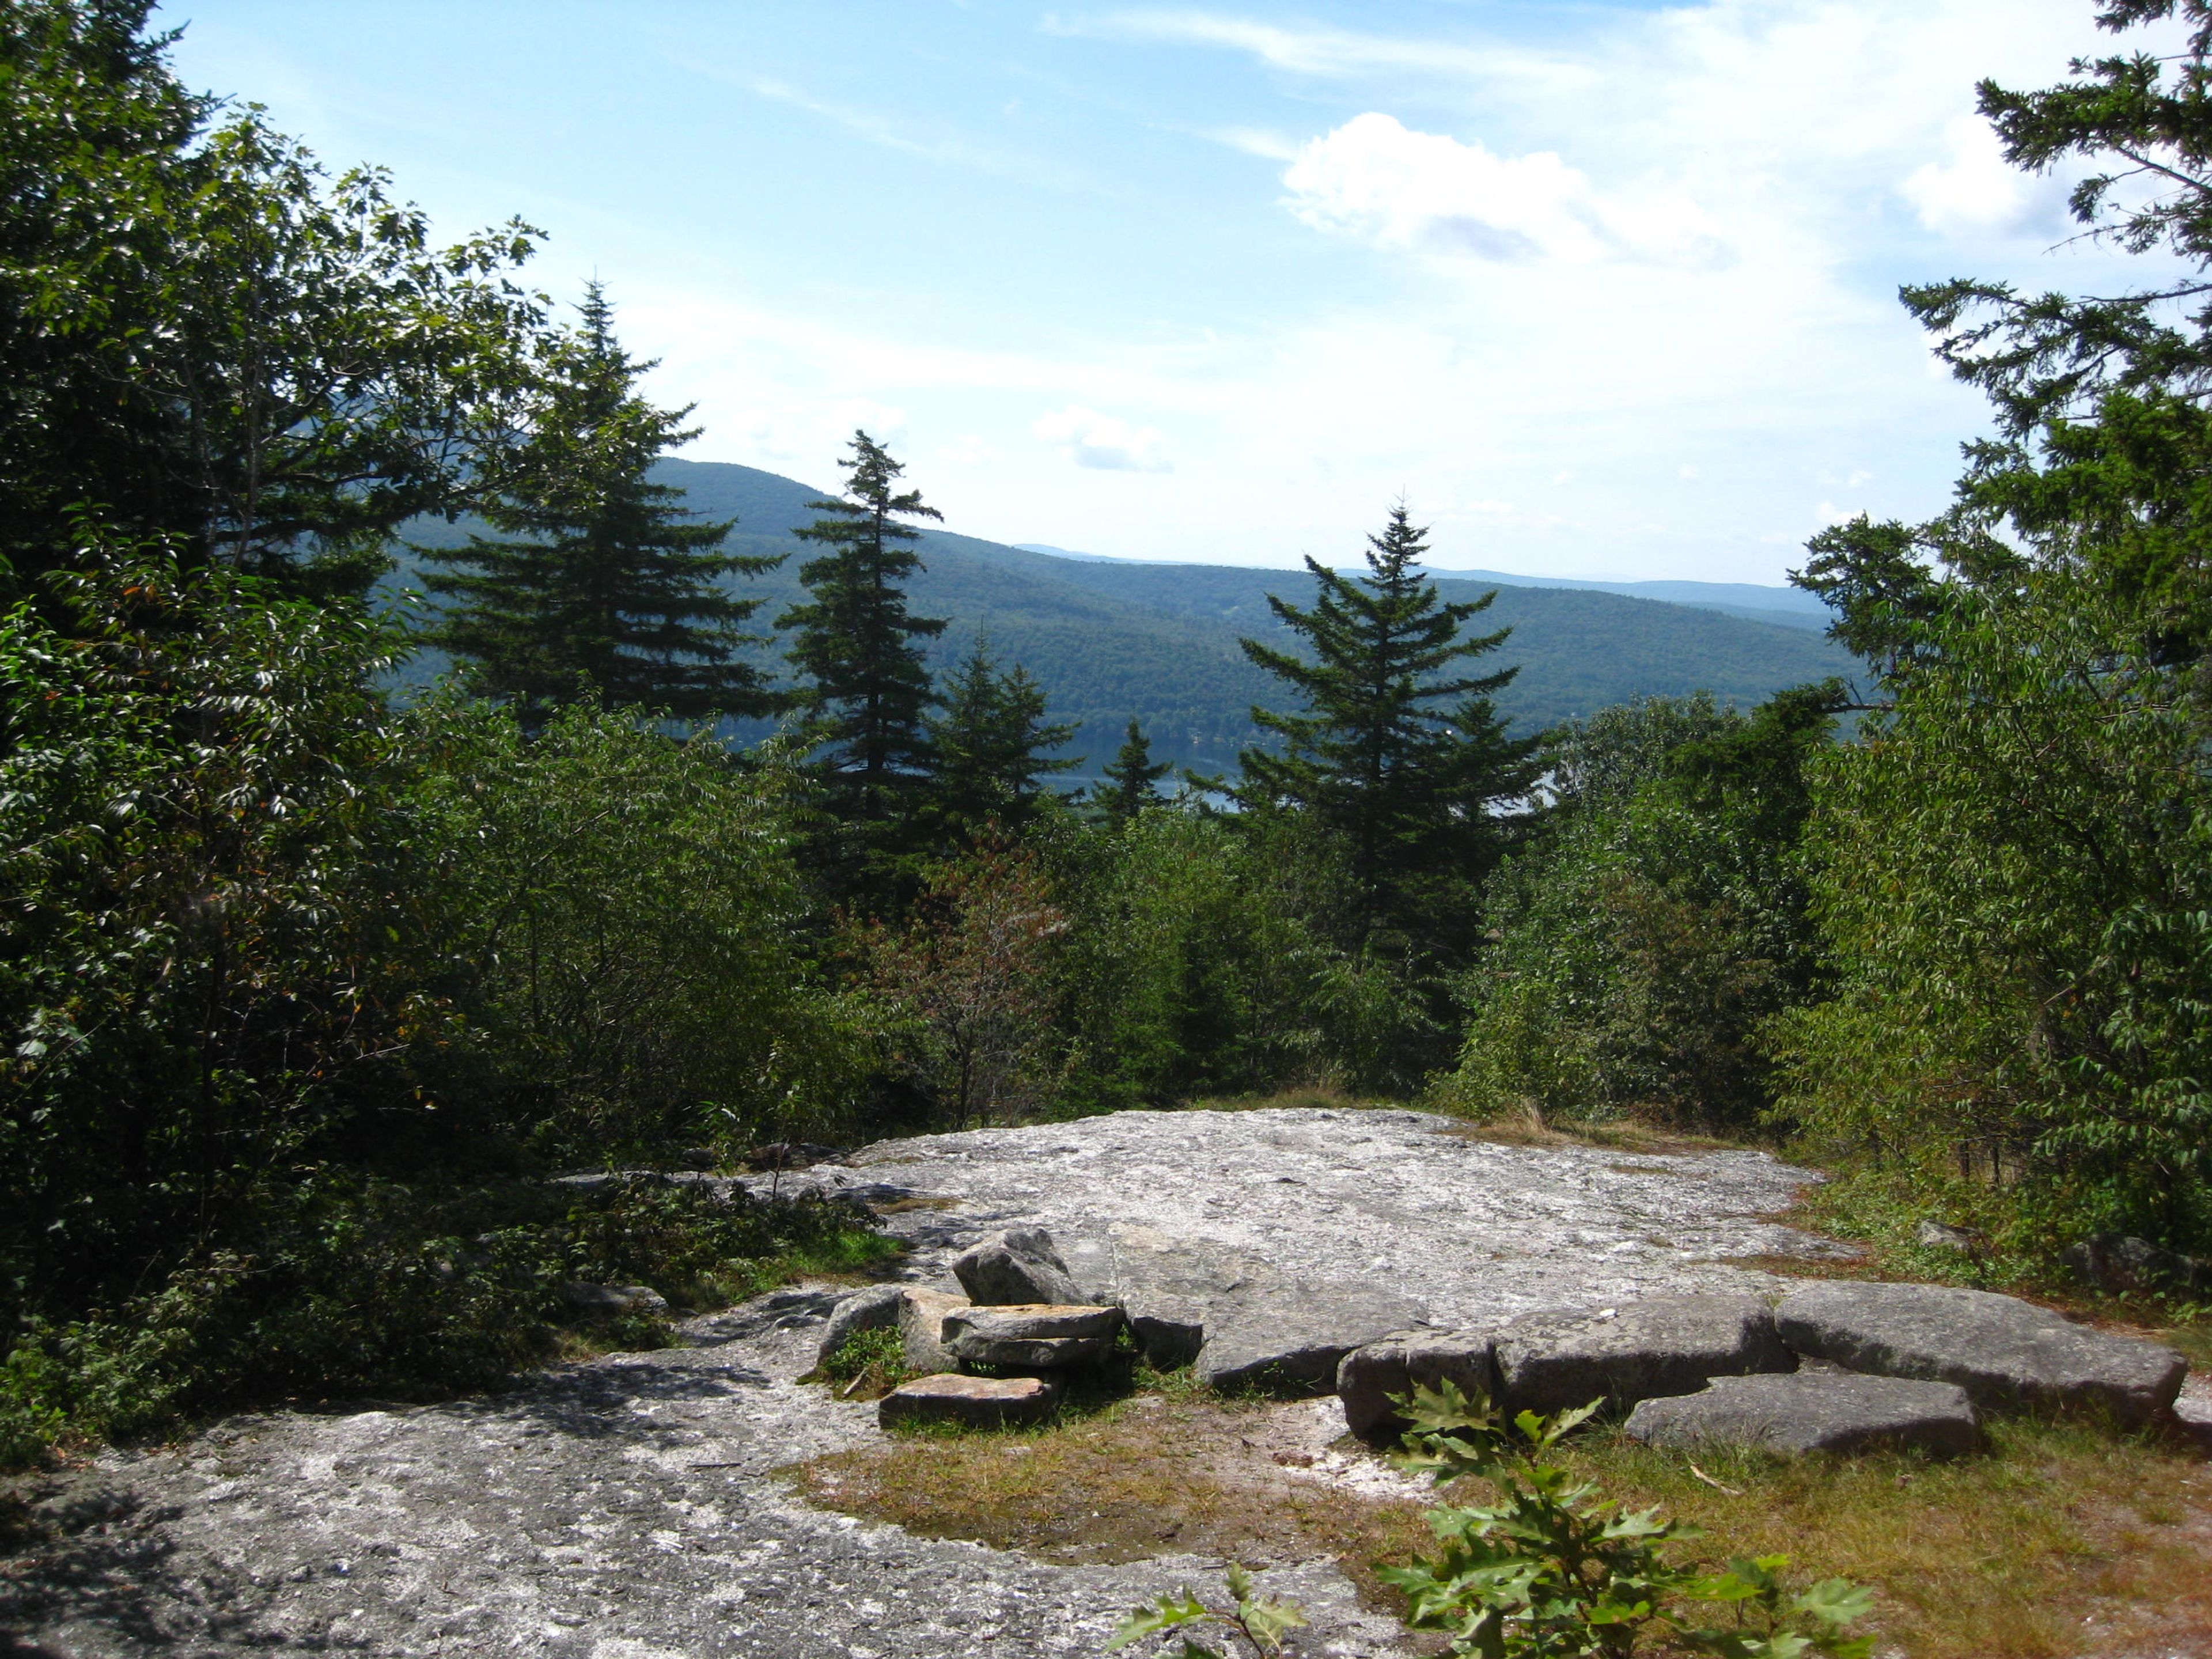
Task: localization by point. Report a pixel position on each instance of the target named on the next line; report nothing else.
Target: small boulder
(1039, 1337)
(1813, 1411)
(921, 1321)
(976, 1402)
(1665, 1344)
(1019, 1266)
(604, 1301)
(871, 1308)
(1368, 1378)
(2002, 1350)
(2121, 1267)
(1939, 1236)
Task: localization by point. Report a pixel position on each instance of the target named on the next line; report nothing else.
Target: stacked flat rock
(1036, 1336)
(1812, 1411)
(977, 1402)
(2004, 1353)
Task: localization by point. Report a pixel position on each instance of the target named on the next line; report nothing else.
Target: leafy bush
(1637, 952)
(1554, 1569)
(364, 1288)
(620, 918)
(2013, 867)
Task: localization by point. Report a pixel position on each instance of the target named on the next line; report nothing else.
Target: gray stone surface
(1941, 1235)
(1200, 1222)
(2121, 1265)
(872, 1308)
(1019, 1266)
(1804, 1412)
(1040, 1337)
(1290, 1346)
(922, 1315)
(2003, 1352)
(628, 1509)
(1370, 1379)
(974, 1402)
(1657, 1346)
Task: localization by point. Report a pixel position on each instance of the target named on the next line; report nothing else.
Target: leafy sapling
(1556, 1569)
(1257, 1624)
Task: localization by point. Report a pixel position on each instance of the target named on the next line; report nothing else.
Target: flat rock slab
(1289, 1344)
(1371, 1381)
(1666, 1345)
(973, 1403)
(1032, 1337)
(624, 1508)
(2004, 1353)
(1814, 1412)
(1206, 1225)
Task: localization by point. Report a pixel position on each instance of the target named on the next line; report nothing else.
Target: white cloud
(1102, 442)
(1375, 178)
(1976, 192)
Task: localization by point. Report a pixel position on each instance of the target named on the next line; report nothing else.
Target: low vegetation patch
(364, 1289)
(2061, 1540)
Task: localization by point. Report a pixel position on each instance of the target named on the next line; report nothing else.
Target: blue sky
(1606, 290)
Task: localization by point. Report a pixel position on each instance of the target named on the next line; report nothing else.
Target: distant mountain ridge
(1791, 607)
(1110, 639)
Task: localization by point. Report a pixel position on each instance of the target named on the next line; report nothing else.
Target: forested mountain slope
(1110, 639)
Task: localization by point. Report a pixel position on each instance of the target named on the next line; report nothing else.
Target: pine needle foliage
(988, 749)
(1406, 763)
(867, 688)
(606, 586)
(1134, 776)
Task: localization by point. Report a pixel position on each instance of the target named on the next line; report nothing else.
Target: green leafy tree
(2008, 864)
(866, 689)
(203, 336)
(988, 749)
(610, 588)
(1636, 950)
(1409, 765)
(1134, 776)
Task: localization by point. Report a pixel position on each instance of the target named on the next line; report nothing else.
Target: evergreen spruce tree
(1406, 767)
(1132, 775)
(867, 688)
(987, 748)
(608, 587)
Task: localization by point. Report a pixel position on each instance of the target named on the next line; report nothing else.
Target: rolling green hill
(1109, 639)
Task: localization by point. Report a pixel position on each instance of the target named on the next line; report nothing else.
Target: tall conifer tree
(867, 688)
(1133, 775)
(1406, 765)
(609, 585)
(988, 748)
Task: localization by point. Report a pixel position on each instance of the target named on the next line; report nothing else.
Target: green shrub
(1554, 1569)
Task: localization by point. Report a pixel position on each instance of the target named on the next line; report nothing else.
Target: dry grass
(1150, 1476)
(1620, 1135)
(2062, 1543)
